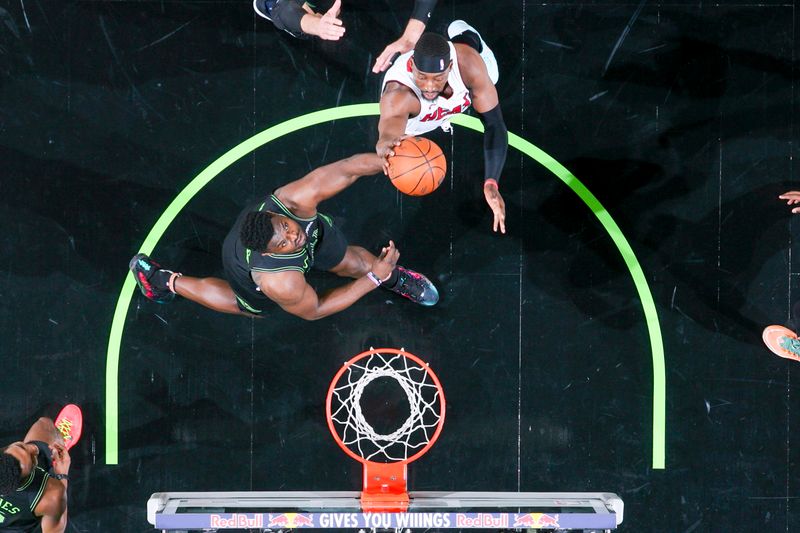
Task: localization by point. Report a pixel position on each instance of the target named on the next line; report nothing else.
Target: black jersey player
(34, 474)
(276, 241)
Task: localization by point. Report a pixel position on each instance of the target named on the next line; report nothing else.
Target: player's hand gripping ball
(417, 167)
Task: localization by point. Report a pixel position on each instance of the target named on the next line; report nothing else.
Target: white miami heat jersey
(433, 114)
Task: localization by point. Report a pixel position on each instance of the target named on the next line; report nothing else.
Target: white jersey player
(436, 80)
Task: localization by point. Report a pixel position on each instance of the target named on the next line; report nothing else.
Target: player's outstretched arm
(406, 42)
(495, 138)
(327, 27)
(397, 104)
(416, 25)
(495, 148)
(476, 78)
(291, 291)
(302, 196)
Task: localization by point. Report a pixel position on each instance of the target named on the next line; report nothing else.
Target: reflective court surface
(610, 341)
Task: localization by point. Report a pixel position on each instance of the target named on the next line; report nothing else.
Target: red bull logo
(236, 520)
(290, 520)
(536, 521)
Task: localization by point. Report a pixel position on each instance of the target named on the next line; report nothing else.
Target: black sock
(160, 279)
(392, 281)
(470, 38)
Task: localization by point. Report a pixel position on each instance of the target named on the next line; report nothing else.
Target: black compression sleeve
(286, 15)
(495, 143)
(423, 9)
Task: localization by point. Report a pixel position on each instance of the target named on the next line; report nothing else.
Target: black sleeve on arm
(423, 9)
(286, 16)
(495, 143)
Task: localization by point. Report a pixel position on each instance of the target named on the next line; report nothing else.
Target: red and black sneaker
(69, 424)
(415, 286)
(152, 280)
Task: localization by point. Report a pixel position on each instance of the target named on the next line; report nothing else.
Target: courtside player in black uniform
(300, 19)
(276, 241)
(34, 474)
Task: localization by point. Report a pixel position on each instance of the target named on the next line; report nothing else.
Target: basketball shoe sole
(69, 424)
(779, 340)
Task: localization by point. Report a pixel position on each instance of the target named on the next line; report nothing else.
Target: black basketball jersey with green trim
(301, 261)
(16, 509)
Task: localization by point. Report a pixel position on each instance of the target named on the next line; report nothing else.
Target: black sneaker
(152, 280)
(415, 286)
(264, 8)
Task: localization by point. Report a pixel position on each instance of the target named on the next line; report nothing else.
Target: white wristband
(374, 279)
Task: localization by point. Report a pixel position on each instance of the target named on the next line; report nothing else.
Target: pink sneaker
(69, 424)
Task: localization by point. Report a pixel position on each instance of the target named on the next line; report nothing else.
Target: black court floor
(678, 119)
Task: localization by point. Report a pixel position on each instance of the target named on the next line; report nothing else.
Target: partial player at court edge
(34, 475)
(440, 78)
(276, 241)
(781, 340)
(301, 19)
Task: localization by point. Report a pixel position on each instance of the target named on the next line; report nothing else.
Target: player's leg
(335, 255)
(356, 262)
(460, 32)
(42, 434)
(65, 430)
(214, 293)
(44, 430)
(161, 285)
(410, 284)
(284, 14)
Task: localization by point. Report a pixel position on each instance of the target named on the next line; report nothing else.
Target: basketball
(417, 167)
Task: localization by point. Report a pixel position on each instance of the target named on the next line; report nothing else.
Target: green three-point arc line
(360, 110)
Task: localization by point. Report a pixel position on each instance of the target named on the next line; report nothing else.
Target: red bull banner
(190, 521)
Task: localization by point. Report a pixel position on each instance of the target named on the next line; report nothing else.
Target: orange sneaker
(69, 424)
(782, 341)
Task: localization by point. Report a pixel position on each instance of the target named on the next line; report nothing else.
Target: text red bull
(237, 521)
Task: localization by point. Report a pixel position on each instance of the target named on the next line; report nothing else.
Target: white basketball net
(424, 401)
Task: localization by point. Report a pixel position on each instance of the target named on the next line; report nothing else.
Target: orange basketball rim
(385, 456)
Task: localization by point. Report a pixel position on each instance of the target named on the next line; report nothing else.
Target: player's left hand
(384, 61)
(497, 205)
(385, 150)
(61, 458)
(329, 26)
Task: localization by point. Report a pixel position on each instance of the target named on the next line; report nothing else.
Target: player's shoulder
(398, 97)
(468, 58)
(282, 198)
(471, 65)
(397, 88)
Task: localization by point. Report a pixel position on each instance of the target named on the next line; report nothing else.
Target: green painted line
(639, 280)
(360, 110)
